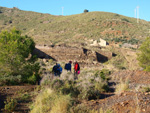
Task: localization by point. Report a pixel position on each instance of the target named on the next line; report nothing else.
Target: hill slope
(49, 29)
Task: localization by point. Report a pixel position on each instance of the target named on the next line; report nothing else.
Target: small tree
(14, 55)
(85, 11)
(144, 55)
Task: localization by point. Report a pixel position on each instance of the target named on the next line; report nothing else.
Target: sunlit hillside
(48, 29)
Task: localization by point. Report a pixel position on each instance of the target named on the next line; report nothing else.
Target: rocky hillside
(48, 29)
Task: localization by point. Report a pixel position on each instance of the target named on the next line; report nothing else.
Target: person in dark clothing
(57, 70)
(55, 67)
(68, 66)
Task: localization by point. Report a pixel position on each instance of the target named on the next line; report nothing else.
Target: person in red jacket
(76, 69)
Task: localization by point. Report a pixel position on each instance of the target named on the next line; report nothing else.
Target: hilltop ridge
(48, 29)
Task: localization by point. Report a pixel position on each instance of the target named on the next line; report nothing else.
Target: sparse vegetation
(64, 94)
(48, 29)
(86, 87)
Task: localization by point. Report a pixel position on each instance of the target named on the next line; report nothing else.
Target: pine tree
(144, 55)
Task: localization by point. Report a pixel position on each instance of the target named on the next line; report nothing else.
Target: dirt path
(22, 93)
(130, 57)
(123, 103)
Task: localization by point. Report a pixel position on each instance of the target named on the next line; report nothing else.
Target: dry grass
(49, 101)
(122, 86)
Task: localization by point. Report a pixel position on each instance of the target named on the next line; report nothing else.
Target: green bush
(103, 74)
(92, 86)
(23, 96)
(32, 79)
(14, 56)
(133, 41)
(56, 84)
(146, 89)
(85, 11)
(65, 87)
(10, 105)
(144, 55)
(10, 80)
(69, 88)
(89, 93)
(124, 19)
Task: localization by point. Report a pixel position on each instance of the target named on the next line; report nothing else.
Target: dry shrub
(122, 86)
(49, 101)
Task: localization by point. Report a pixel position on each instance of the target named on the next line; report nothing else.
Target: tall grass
(49, 101)
(122, 86)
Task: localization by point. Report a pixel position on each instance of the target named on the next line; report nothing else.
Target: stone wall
(64, 53)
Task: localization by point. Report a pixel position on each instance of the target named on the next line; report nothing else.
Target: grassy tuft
(122, 86)
(49, 101)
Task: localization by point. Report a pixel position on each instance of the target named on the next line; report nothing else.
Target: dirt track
(13, 92)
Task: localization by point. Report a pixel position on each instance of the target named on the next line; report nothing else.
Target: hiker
(68, 66)
(76, 69)
(57, 70)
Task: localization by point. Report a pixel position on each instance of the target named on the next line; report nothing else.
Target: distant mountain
(48, 29)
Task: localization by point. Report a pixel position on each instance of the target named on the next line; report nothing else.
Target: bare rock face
(65, 53)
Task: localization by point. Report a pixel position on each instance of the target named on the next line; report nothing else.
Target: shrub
(144, 88)
(14, 55)
(32, 79)
(103, 74)
(10, 105)
(49, 101)
(122, 86)
(144, 55)
(69, 88)
(85, 11)
(65, 87)
(92, 86)
(56, 84)
(133, 41)
(124, 19)
(10, 80)
(23, 97)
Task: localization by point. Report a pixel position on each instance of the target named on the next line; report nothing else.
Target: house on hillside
(103, 42)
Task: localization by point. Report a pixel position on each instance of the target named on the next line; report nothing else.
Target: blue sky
(54, 7)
